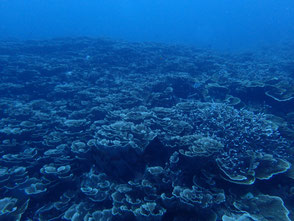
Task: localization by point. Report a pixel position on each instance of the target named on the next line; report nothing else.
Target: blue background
(223, 24)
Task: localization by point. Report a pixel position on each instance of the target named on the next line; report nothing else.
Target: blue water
(225, 24)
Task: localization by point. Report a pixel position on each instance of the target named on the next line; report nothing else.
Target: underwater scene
(159, 110)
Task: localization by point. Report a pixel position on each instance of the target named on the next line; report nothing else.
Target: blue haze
(224, 24)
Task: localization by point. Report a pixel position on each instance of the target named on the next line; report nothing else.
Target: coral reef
(97, 130)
